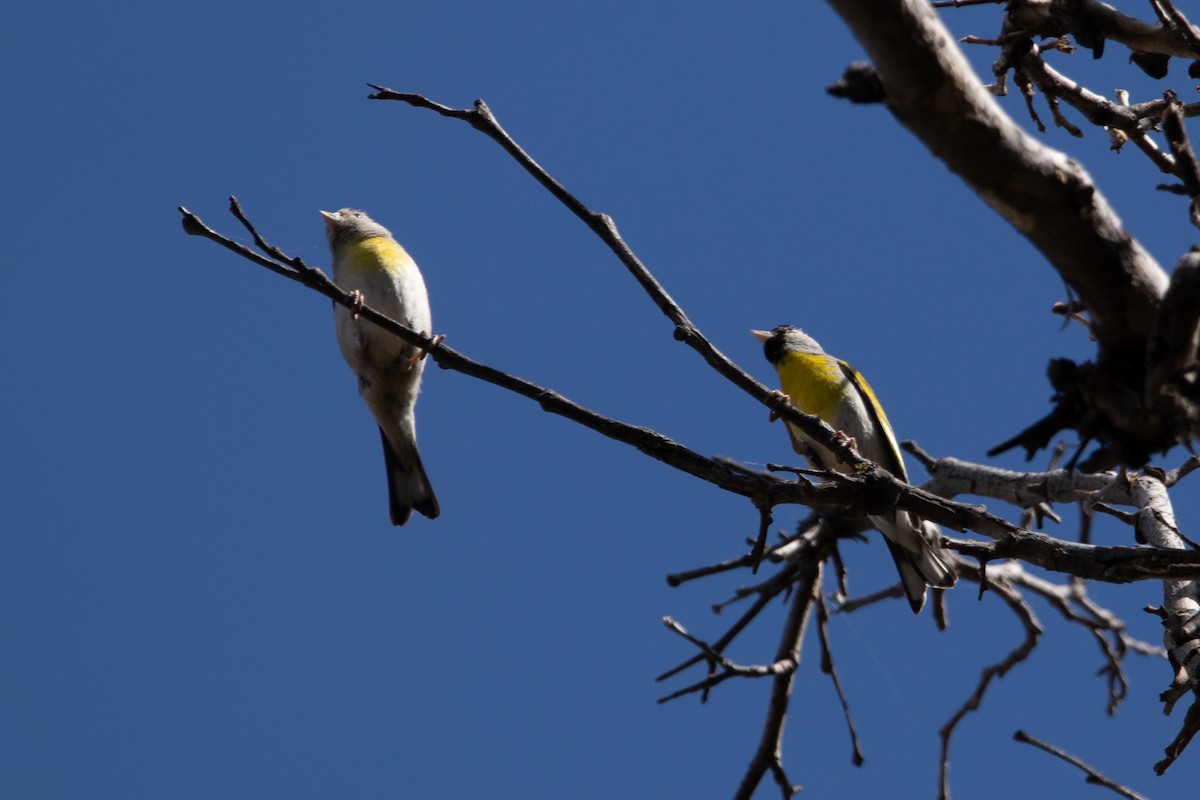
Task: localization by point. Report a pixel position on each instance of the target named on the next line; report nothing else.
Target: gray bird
(366, 259)
(826, 387)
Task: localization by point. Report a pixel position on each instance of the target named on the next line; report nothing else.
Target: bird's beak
(330, 220)
(762, 336)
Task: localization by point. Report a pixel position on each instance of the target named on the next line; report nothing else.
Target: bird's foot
(424, 351)
(779, 397)
(357, 303)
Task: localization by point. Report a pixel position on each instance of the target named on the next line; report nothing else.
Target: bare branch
(932, 91)
(1186, 167)
(1109, 564)
(1172, 477)
(1131, 122)
(829, 669)
(482, 119)
(1050, 199)
(1180, 613)
(768, 755)
(1033, 629)
(1092, 775)
(657, 446)
(1191, 726)
(1182, 32)
(1173, 374)
(767, 592)
(951, 477)
(815, 539)
(851, 604)
(1076, 607)
(721, 668)
(1092, 22)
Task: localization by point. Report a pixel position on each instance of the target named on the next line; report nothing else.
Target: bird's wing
(889, 458)
(802, 447)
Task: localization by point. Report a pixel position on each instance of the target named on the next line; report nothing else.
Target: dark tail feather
(408, 485)
(930, 567)
(911, 579)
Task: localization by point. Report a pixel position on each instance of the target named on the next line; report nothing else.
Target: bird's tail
(919, 557)
(408, 485)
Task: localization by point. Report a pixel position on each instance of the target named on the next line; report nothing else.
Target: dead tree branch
(928, 86)
(1033, 630)
(1093, 776)
(1047, 197)
(768, 757)
(1180, 612)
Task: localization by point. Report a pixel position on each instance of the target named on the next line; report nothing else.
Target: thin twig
(1092, 775)
(721, 668)
(1033, 629)
(829, 669)
(769, 592)
(483, 120)
(1110, 632)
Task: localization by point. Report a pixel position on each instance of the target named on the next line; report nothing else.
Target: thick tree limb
(1180, 612)
(1052, 201)
(1047, 197)
(1172, 372)
(1092, 21)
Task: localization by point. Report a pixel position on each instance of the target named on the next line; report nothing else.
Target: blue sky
(201, 593)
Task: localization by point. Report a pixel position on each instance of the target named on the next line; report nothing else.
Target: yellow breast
(377, 253)
(814, 382)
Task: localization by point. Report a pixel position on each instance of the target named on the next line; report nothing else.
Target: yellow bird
(367, 260)
(821, 385)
